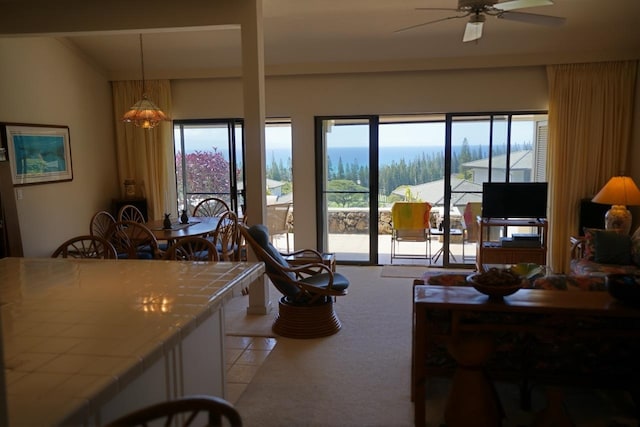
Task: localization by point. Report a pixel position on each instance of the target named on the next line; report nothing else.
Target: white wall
(43, 81)
(303, 97)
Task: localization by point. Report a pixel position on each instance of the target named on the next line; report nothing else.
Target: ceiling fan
(477, 10)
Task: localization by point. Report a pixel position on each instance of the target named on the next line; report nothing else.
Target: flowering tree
(205, 172)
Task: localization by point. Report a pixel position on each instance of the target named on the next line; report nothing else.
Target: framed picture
(37, 154)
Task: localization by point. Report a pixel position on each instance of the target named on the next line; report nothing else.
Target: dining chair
(192, 248)
(86, 246)
(226, 237)
(133, 240)
(130, 213)
(203, 410)
(100, 223)
(212, 206)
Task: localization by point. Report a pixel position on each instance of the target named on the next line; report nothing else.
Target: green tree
(341, 193)
(340, 169)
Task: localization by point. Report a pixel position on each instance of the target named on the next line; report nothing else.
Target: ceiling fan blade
(473, 31)
(430, 22)
(521, 4)
(437, 8)
(532, 18)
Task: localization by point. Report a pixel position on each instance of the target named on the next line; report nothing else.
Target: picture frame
(37, 154)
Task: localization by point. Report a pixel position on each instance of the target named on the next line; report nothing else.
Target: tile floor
(244, 355)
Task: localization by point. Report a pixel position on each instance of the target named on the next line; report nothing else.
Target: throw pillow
(589, 245)
(612, 248)
(635, 247)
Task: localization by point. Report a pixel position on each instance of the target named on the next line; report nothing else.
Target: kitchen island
(88, 340)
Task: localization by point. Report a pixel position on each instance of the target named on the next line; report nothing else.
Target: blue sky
(402, 135)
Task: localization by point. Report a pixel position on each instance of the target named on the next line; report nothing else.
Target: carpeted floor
(360, 376)
(414, 271)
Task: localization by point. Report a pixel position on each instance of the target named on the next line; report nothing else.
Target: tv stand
(492, 251)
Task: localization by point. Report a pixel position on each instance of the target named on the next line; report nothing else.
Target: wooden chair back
(86, 246)
(100, 223)
(133, 240)
(130, 213)
(212, 206)
(186, 411)
(192, 248)
(227, 237)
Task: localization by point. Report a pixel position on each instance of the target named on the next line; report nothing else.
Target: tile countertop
(76, 331)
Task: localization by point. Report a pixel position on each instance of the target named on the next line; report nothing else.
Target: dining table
(197, 226)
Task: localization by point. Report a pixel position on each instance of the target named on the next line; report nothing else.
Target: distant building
(520, 169)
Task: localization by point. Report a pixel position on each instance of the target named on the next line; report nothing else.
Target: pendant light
(144, 113)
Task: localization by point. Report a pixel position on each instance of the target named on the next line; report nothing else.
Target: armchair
(306, 307)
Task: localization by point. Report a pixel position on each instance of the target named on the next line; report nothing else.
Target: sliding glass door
(440, 159)
(346, 191)
(496, 147)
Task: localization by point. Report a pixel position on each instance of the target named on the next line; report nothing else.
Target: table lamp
(619, 192)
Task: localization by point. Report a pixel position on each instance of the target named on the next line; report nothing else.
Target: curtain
(590, 123)
(146, 155)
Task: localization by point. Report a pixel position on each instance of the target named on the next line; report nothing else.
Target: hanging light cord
(142, 65)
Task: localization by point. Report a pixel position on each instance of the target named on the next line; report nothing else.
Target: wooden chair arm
(577, 246)
(307, 253)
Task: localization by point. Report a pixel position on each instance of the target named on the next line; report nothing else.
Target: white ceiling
(359, 34)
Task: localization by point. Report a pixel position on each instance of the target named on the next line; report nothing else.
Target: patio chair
(278, 220)
(85, 246)
(190, 410)
(471, 231)
(306, 307)
(410, 222)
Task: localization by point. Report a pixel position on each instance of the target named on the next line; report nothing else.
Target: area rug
(403, 271)
(361, 375)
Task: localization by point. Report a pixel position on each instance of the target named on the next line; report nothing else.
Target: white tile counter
(86, 340)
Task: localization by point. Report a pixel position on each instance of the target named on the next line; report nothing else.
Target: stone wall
(356, 221)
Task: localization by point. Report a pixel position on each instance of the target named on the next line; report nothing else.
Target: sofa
(601, 252)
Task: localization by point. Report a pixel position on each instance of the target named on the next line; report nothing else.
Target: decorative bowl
(624, 287)
(496, 283)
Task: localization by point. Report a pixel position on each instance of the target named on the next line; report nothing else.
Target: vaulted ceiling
(304, 36)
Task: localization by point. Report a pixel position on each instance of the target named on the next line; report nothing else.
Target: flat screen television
(514, 199)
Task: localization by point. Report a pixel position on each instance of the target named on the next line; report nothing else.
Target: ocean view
(360, 155)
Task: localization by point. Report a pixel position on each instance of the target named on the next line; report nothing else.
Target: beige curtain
(590, 122)
(146, 155)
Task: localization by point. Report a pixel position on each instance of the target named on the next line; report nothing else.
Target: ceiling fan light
(473, 31)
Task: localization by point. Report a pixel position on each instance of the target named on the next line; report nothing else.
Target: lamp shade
(620, 190)
(144, 114)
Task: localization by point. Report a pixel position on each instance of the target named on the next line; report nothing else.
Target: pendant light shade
(144, 113)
